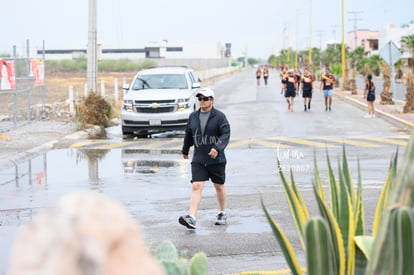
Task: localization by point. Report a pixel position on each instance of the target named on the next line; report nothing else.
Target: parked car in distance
(159, 99)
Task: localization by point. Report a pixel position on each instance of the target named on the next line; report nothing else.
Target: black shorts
(290, 93)
(371, 97)
(307, 93)
(215, 172)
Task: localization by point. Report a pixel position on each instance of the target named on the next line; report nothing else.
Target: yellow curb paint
(249, 142)
(266, 272)
(351, 142)
(387, 140)
(4, 137)
(239, 143)
(304, 142)
(113, 145)
(87, 143)
(269, 144)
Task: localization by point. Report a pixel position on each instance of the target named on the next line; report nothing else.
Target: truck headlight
(127, 105)
(183, 103)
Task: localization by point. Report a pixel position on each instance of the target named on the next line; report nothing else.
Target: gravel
(38, 135)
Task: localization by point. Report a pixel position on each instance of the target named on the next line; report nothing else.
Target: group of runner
(294, 83)
(260, 72)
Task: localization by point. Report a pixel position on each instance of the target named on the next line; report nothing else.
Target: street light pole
(296, 38)
(92, 51)
(343, 43)
(310, 35)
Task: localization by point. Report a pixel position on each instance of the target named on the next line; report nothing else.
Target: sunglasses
(203, 99)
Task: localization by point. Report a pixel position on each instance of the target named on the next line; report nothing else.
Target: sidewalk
(392, 113)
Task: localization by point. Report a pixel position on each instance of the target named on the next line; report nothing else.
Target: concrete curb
(384, 115)
(18, 158)
(26, 155)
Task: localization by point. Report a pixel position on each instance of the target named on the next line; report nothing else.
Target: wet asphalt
(154, 185)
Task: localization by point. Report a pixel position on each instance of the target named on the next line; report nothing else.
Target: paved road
(152, 181)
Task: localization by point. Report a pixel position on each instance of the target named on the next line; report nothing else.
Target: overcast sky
(253, 26)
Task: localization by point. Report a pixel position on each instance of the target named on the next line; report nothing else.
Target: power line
(334, 27)
(355, 19)
(320, 34)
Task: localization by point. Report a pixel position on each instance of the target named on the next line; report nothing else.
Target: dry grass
(57, 84)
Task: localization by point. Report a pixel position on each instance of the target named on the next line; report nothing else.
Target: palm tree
(386, 95)
(407, 43)
(375, 63)
(355, 60)
(332, 54)
(409, 103)
(356, 57)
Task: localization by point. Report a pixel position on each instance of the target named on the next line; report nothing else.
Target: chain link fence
(25, 102)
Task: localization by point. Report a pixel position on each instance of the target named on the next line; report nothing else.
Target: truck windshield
(160, 81)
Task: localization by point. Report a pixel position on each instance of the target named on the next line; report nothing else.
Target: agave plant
(335, 241)
(392, 248)
(173, 264)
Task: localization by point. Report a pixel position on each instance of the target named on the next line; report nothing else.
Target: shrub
(95, 110)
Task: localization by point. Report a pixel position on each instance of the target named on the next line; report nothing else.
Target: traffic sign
(390, 53)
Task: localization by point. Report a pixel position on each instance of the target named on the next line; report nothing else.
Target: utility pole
(355, 19)
(343, 57)
(310, 34)
(92, 48)
(320, 33)
(296, 39)
(334, 27)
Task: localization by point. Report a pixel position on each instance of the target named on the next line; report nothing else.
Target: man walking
(307, 86)
(291, 87)
(258, 75)
(209, 132)
(327, 83)
(265, 74)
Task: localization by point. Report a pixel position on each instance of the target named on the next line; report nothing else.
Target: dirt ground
(58, 83)
(57, 123)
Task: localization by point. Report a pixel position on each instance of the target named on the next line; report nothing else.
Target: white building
(391, 32)
(155, 50)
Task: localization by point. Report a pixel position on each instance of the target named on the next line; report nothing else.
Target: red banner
(37, 70)
(7, 75)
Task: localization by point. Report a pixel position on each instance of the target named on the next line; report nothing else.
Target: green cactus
(319, 254)
(198, 264)
(166, 252)
(167, 255)
(172, 268)
(401, 240)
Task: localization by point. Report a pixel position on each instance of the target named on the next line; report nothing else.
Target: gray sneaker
(221, 219)
(187, 221)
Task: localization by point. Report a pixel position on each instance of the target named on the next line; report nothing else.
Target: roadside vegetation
(174, 264)
(358, 62)
(335, 241)
(104, 66)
